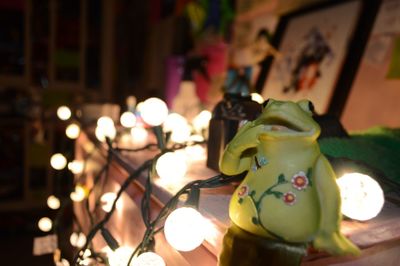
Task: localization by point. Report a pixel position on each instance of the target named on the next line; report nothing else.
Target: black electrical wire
(99, 225)
(152, 227)
(156, 226)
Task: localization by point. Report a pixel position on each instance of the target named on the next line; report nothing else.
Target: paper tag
(44, 245)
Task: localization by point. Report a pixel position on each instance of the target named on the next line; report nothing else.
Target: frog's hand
(234, 161)
(335, 243)
(329, 237)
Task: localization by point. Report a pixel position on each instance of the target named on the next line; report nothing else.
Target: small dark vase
(227, 116)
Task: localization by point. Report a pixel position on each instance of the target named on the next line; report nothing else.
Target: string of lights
(102, 223)
(184, 203)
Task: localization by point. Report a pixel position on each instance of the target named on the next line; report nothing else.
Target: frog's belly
(294, 223)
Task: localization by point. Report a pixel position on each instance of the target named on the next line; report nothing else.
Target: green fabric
(394, 67)
(378, 147)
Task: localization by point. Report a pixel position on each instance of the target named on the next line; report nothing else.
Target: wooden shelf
(379, 239)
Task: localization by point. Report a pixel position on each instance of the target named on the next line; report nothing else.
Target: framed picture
(320, 50)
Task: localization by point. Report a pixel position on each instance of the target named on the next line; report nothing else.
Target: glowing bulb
(181, 134)
(148, 259)
(171, 166)
(72, 131)
(45, 224)
(125, 138)
(257, 97)
(128, 119)
(139, 107)
(62, 262)
(63, 113)
(139, 135)
(102, 132)
(85, 254)
(179, 127)
(362, 197)
(76, 167)
(172, 121)
(105, 128)
(196, 152)
(78, 194)
(154, 111)
(105, 122)
(120, 256)
(58, 161)
(184, 229)
(196, 138)
(77, 239)
(202, 120)
(107, 200)
(53, 202)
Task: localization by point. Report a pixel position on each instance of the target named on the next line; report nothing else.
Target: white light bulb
(196, 138)
(128, 119)
(72, 131)
(148, 259)
(58, 161)
(102, 132)
(139, 107)
(139, 135)
(154, 111)
(63, 113)
(202, 120)
(172, 121)
(184, 229)
(53, 202)
(196, 152)
(45, 224)
(257, 97)
(171, 166)
(62, 262)
(87, 253)
(105, 122)
(78, 194)
(362, 197)
(76, 167)
(77, 239)
(107, 200)
(86, 259)
(181, 133)
(120, 256)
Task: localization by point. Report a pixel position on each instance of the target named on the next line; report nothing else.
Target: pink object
(216, 65)
(173, 72)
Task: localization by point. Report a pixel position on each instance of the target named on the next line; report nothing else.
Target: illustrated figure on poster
(307, 69)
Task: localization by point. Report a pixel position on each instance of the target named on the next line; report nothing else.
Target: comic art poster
(313, 48)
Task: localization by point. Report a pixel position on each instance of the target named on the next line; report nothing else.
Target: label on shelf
(44, 245)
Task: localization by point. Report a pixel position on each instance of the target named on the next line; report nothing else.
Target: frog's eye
(311, 107)
(307, 106)
(265, 103)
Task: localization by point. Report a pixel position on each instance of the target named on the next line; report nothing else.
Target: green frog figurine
(289, 194)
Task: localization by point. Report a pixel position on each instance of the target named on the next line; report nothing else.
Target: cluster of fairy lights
(183, 225)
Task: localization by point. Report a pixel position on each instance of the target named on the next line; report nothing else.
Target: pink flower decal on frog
(243, 191)
(300, 181)
(289, 198)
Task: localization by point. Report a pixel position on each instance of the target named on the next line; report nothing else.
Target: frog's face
(288, 120)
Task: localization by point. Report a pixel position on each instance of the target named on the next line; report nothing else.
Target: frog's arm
(234, 160)
(232, 164)
(328, 237)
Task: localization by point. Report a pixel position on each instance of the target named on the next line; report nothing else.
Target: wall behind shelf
(374, 98)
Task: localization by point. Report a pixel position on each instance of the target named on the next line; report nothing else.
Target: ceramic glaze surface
(289, 192)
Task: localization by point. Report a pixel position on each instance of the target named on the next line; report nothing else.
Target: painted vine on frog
(300, 181)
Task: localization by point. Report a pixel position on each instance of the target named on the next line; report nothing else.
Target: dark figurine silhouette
(307, 69)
